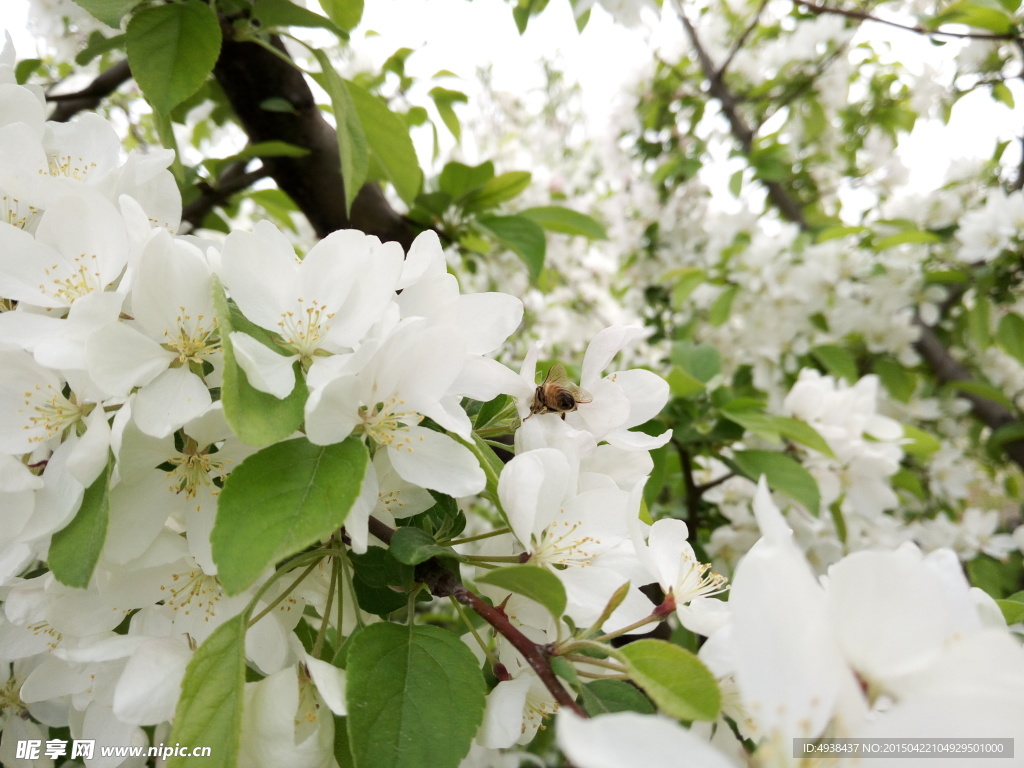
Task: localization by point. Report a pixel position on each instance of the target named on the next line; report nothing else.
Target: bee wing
(557, 377)
(580, 395)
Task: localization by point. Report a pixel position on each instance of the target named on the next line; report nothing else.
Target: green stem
(277, 600)
(456, 542)
(319, 643)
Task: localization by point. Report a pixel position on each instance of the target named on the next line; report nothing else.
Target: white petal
(176, 396)
(147, 691)
(267, 370)
(332, 411)
(628, 738)
(532, 489)
(603, 347)
(120, 358)
(426, 256)
(483, 379)
(487, 319)
(260, 272)
(89, 458)
(503, 717)
(435, 461)
(330, 681)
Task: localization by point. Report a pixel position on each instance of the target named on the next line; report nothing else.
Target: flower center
(302, 331)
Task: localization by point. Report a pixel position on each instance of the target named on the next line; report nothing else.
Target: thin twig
(210, 197)
(916, 29)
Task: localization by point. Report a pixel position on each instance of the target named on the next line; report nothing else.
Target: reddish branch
(943, 365)
(444, 583)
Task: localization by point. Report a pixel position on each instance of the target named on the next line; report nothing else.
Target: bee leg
(563, 417)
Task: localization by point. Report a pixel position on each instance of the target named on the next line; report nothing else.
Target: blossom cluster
(115, 355)
(889, 644)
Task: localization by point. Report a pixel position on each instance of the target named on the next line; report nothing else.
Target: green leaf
(686, 280)
(682, 384)
(110, 12)
(209, 710)
(281, 500)
(838, 361)
(98, 45)
(415, 697)
(353, 147)
(565, 221)
(381, 582)
(979, 323)
(495, 191)
(675, 679)
(982, 389)
(918, 442)
(722, 306)
(803, 433)
(900, 382)
(910, 236)
(519, 235)
(171, 50)
(258, 418)
(284, 13)
(1010, 336)
(457, 179)
(389, 142)
(345, 13)
(603, 697)
(413, 546)
(75, 549)
(1012, 608)
(784, 474)
(530, 581)
(1002, 94)
(444, 99)
(990, 16)
(702, 361)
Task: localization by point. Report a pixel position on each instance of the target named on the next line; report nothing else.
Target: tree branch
(252, 76)
(70, 104)
(916, 29)
(948, 370)
(232, 181)
(777, 194)
(444, 583)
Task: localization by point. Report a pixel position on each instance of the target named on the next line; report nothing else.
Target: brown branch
(948, 370)
(445, 583)
(252, 76)
(742, 39)
(70, 104)
(232, 181)
(916, 29)
(718, 90)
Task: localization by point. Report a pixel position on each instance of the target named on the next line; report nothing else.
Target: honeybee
(557, 394)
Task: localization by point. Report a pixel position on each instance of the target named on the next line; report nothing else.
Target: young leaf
(457, 179)
(520, 235)
(210, 708)
(413, 546)
(539, 585)
(675, 679)
(838, 361)
(566, 221)
(381, 582)
(603, 697)
(345, 13)
(389, 142)
(352, 143)
(171, 49)
(110, 12)
(75, 549)
(784, 474)
(496, 190)
(415, 697)
(284, 13)
(1010, 336)
(279, 501)
(258, 418)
